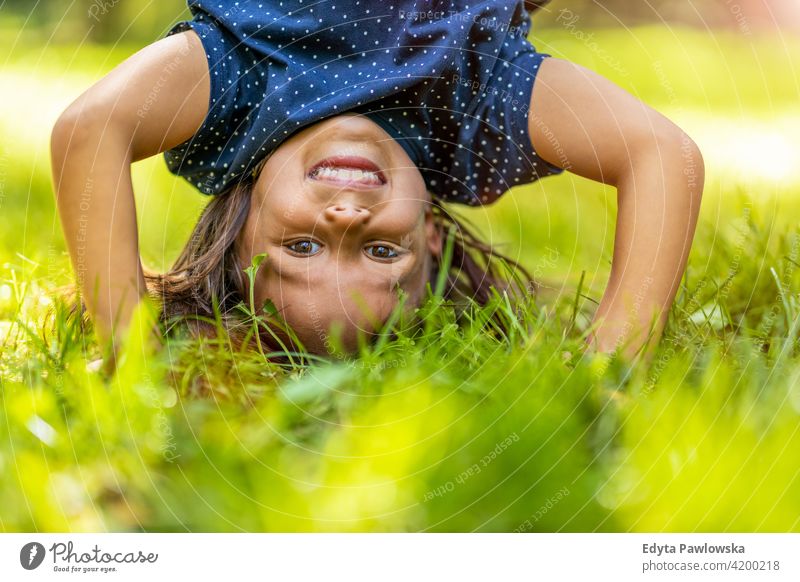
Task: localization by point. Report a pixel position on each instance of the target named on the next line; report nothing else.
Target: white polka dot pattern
(450, 81)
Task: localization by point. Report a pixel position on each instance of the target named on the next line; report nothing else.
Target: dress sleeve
(498, 154)
(211, 160)
(519, 78)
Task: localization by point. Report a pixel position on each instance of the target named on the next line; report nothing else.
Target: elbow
(72, 131)
(681, 151)
(691, 163)
(60, 136)
(65, 136)
(82, 135)
(699, 172)
(671, 152)
(60, 139)
(89, 122)
(79, 144)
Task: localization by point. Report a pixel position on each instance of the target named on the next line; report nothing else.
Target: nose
(347, 213)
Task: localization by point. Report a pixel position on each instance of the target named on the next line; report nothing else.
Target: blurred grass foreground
(454, 426)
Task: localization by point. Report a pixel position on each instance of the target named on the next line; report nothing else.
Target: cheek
(267, 286)
(280, 184)
(251, 240)
(415, 284)
(245, 246)
(410, 180)
(281, 205)
(402, 217)
(271, 204)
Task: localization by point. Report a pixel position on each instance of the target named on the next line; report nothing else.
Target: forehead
(325, 279)
(314, 296)
(313, 307)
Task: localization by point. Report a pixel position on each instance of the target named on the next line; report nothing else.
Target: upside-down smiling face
(344, 217)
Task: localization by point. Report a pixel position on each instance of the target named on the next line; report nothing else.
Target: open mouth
(348, 171)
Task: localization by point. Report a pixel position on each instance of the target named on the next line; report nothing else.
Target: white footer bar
(400, 557)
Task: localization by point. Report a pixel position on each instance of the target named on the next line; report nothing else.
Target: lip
(353, 163)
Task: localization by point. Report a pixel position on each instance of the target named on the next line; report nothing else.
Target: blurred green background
(705, 438)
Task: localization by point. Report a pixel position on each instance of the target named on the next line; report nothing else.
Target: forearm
(96, 204)
(94, 142)
(658, 203)
(608, 135)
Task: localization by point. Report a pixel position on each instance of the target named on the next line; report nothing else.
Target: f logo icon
(31, 555)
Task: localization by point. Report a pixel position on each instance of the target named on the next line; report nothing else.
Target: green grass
(452, 425)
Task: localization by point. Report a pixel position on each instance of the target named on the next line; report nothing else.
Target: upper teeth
(347, 175)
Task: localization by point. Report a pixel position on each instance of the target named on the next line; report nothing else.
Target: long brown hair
(207, 280)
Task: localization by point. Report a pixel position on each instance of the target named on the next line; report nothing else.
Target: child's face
(344, 217)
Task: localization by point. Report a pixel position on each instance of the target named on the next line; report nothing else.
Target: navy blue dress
(450, 80)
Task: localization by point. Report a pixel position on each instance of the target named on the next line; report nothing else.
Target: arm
(153, 101)
(603, 133)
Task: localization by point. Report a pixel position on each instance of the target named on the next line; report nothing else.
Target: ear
(433, 233)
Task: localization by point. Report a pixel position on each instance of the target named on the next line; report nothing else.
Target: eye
(378, 251)
(304, 247)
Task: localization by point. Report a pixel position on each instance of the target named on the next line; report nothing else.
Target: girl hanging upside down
(330, 132)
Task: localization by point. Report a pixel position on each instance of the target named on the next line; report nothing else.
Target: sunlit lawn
(455, 428)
